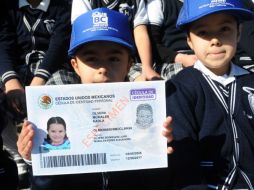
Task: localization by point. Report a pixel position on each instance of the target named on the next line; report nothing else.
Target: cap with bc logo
(101, 24)
(193, 10)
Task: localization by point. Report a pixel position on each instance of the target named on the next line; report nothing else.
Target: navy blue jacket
(211, 139)
(51, 36)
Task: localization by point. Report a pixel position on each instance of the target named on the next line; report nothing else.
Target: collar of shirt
(44, 4)
(225, 79)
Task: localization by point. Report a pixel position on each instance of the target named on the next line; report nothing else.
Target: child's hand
(147, 75)
(151, 74)
(167, 132)
(15, 95)
(186, 60)
(25, 140)
(37, 81)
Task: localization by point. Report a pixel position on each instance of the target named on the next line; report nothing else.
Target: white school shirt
(225, 79)
(155, 12)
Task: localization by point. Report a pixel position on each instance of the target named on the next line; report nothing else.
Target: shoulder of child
(187, 75)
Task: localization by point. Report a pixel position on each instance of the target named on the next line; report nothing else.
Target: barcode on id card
(73, 160)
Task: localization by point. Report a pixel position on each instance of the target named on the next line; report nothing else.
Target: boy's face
(214, 39)
(101, 61)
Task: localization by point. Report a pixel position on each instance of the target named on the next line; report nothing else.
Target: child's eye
(225, 29)
(114, 59)
(91, 59)
(201, 33)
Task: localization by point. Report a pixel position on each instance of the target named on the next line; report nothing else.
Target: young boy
(212, 102)
(100, 52)
(137, 13)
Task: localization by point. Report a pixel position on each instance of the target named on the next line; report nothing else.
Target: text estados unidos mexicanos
(84, 99)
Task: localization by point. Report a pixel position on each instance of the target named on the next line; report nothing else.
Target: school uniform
(213, 129)
(245, 54)
(35, 39)
(166, 37)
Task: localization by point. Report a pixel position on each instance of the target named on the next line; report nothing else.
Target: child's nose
(103, 70)
(215, 41)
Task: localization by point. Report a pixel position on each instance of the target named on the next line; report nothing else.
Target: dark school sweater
(167, 39)
(50, 36)
(211, 139)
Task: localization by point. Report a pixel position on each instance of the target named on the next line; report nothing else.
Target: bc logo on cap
(100, 19)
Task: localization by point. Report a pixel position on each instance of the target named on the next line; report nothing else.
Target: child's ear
(131, 61)
(74, 64)
(189, 42)
(239, 32)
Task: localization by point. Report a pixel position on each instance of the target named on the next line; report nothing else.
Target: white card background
(100, 121)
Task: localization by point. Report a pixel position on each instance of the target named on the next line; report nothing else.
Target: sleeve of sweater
(56, 54)
(7, 45)
(247, 33)
(161, 53)
(184, 163)
(247, 38)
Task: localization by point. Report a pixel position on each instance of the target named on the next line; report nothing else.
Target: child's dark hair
(55, 120)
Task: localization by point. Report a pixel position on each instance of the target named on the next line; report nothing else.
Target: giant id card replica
(86, 128)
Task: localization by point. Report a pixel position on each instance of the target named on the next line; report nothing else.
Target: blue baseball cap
(101, 24)
(193, 10)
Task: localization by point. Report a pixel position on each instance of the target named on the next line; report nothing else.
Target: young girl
(56, 138)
